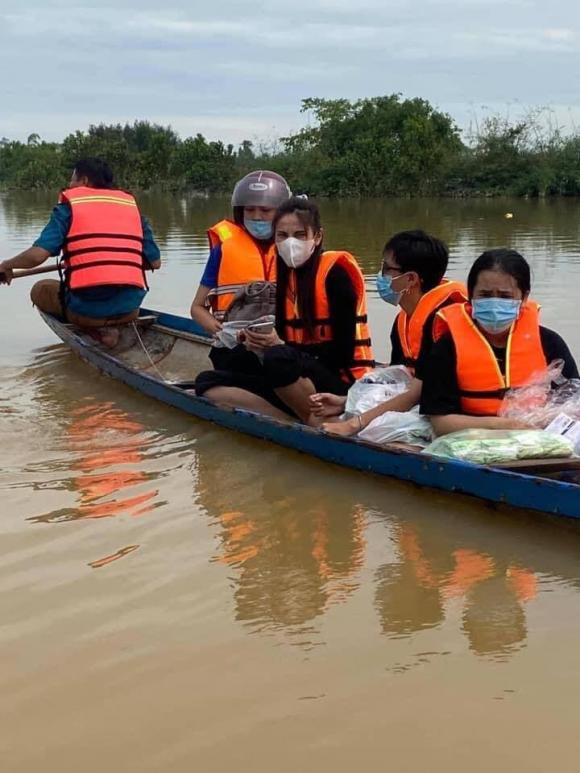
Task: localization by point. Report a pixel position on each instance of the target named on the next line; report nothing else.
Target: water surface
(176, 597)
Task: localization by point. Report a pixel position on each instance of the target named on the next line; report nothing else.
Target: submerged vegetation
(384, 146)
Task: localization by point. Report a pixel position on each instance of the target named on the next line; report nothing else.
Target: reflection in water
(430, 576)
(102, 453)
(298, 542)
(494, 619)
(105, 437)
(104, 442)
(295, 551)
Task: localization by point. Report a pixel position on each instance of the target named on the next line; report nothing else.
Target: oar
(20, 272)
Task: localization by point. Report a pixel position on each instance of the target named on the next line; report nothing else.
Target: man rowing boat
(106, 245)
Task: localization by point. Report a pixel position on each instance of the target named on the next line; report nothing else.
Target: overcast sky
(239, 69)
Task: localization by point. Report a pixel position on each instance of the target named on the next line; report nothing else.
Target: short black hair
(96, 170)
(422, 253)
(504, 260)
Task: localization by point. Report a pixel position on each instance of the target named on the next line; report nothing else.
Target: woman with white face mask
(492, 343)
(321, 340)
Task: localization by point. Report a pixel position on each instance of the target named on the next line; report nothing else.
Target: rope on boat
(153, 365)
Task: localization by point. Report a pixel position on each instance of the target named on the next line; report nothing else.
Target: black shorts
(281, 366)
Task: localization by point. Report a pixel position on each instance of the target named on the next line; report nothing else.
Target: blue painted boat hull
(487, 483)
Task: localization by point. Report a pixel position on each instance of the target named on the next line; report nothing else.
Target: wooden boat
(161, 355)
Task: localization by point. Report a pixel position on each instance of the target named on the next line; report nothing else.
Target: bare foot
(107, 336)
(342, 428)
(110, 337)
(325, 404)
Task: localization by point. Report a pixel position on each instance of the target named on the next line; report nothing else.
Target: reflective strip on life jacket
(410, 329)
(104, 244)
(242, 262)
(481, 383)
(294, 329)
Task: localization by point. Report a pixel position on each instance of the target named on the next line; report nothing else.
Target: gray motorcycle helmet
(261, 189)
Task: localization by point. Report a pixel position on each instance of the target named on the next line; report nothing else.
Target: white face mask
(295, 252)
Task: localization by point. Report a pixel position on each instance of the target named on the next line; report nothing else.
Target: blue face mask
(259, 229)
(495, 314)
(385, 289)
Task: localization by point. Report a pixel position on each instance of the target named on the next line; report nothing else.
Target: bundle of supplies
(495, 446)
(546, 395)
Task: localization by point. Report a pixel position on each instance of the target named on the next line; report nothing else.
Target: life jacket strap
(492, 394)
(80, 237)
(86, 250)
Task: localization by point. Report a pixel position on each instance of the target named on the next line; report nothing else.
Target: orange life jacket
(481, 383)
(295, 332)
(411, 329)
(242, 262)
(104, 244)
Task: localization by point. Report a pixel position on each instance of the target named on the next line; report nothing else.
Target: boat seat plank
(205, 340)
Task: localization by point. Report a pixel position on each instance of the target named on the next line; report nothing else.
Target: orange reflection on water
(105, 441)
(120, 436)
(292, 564)
(413, 594)
(471, 568)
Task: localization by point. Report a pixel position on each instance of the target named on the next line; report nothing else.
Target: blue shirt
(96, 301)
(212, 267)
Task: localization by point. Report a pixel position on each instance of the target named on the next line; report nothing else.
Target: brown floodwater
(175, 597)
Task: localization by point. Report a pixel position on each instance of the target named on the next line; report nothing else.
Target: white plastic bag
(227, 337)
(376, 387)
(396, 427)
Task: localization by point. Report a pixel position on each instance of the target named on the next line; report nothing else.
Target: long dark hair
(504, 260)
(308, 214)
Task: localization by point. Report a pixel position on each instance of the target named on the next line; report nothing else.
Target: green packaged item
(498, 446)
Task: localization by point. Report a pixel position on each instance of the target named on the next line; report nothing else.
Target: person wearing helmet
(241, 250)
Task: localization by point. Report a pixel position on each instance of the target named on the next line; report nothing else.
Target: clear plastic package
(547, 395)
(498, 446)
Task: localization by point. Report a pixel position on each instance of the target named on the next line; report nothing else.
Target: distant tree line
(384, 146)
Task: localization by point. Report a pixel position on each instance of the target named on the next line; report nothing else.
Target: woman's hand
(343, 428)
(253, 340)
(213, 325)
(326, 404)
